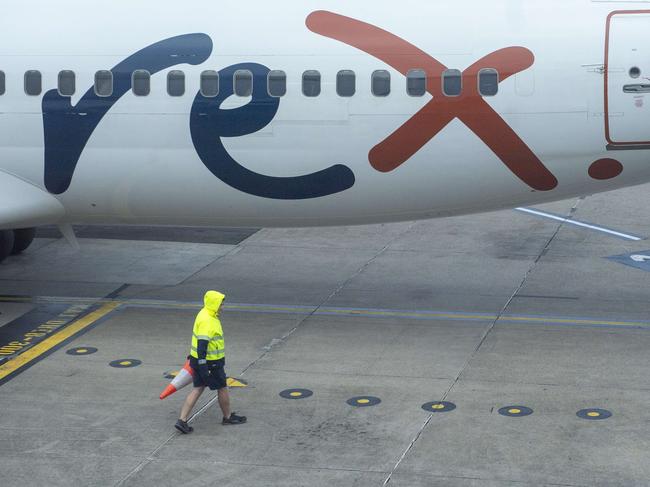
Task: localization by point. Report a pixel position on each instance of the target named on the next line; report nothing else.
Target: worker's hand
(204, 372)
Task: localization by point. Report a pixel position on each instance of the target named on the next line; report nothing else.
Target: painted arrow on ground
(640, 258)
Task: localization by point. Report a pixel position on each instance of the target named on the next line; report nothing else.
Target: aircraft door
(627, 79)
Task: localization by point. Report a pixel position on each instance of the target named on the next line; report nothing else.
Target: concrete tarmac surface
(496, 314)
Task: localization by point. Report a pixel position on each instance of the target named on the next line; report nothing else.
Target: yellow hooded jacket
(208, 327)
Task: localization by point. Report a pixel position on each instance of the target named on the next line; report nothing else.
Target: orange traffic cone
(185, 377)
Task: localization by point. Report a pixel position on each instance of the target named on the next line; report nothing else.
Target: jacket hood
(212, 301)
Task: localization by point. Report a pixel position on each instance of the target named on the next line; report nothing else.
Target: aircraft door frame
(622, 104)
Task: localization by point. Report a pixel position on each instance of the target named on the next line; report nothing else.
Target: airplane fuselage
(386, 111)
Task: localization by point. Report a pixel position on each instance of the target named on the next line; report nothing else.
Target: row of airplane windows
(276, 83)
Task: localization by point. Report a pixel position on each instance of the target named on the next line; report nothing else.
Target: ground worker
(207, 358)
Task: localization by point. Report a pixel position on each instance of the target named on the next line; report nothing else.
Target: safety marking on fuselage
(59, 338)
(594, 414)
(125, 363)
(426, 315)
(81, 351)
(515, 411)
(363, 401)
(296, 393)
(439, 407)
(578, 223)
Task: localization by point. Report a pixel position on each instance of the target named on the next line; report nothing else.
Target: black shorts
(217, 378)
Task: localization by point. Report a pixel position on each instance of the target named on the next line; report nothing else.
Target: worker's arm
(202, 350)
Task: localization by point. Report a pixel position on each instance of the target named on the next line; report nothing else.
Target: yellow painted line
(343, 312)
(39, 349)
(570, 321)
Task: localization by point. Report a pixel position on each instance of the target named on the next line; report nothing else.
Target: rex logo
(68, 128)
(469, 107)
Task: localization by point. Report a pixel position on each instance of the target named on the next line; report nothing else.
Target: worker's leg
(190, 402)
(224, 401)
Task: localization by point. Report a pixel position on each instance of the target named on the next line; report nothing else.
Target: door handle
(640, 88)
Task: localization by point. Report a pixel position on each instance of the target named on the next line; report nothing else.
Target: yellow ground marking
(438, 406)
(332, 311)
(364, 401)
(55, 339)
(234, 383)
(514, 411)
(81, 350)
(593, 414)
(295, 394)
(125, 362)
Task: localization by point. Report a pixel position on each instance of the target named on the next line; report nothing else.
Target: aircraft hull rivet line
(515, 411)
(296, 393)
(594, 414)
(125, 363)
(81, 351)
(439, 407)
(363, 401)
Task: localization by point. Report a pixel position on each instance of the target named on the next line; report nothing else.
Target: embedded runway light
(296, 393)
(515, 411)
(439, 407)
(81, 351)
(363, 401)
(594, 414)
(125, 363)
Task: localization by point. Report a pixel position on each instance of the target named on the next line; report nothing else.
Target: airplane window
(346, 83)
(452, 82)
(176, 83)
(416, 82)
(2, 83)
(311, 83)
(381, 83)
(103, 83)
(67, 83)
(488, 82)
(209, 84)
(141, 82)
(277, 83)
(243, 83)
(33, 83)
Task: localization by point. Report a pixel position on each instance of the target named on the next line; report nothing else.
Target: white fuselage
(141, 165)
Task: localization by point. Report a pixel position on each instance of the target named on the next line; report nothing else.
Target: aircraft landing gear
(23, 238)
(13, 242)
(6, 243)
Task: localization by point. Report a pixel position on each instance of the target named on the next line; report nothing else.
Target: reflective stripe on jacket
(208, 327)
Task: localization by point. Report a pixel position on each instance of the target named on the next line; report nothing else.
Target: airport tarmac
(472, 344)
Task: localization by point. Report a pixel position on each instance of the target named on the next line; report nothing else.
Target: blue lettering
(67, 128)
(209, 123)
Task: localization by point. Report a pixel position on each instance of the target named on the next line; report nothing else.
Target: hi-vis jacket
(208, 327)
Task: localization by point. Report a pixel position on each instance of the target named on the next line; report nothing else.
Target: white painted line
(578, 223)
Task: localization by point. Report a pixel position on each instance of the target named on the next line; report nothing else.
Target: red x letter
(470, 107)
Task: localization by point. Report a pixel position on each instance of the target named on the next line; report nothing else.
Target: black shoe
(183, 427)
(234, 419)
